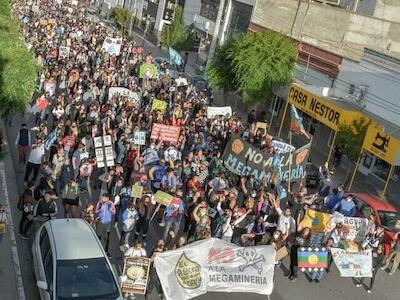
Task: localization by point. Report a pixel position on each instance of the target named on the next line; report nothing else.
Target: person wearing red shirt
(69, 143)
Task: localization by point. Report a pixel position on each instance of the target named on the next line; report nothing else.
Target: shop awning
(326, 110)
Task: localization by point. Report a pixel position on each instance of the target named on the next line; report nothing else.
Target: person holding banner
(377, 262)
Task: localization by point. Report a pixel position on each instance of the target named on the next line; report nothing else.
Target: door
(44, 262)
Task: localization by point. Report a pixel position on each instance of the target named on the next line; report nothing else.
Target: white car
(70, 263)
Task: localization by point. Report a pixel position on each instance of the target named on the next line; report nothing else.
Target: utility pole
(214, 39)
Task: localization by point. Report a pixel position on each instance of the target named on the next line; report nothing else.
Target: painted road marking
(14, 248)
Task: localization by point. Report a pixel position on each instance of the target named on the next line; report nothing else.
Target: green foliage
(177, 35)
(122, 17)
(18, 69)
(258, 63)
(220, 71)
(263, 62)
(350, 137)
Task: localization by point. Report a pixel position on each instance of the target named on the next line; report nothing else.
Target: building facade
(349, 60)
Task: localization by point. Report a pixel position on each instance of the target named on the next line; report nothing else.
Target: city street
(332, 286)
(16, 271)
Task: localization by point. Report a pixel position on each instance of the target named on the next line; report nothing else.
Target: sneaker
(391, 273)
(358, 285)
(162, 224)
(383, 268)
(369, 291)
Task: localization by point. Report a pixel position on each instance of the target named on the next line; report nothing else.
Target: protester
(3, 222)
(377, 262)
(395, 256)
(105, 210)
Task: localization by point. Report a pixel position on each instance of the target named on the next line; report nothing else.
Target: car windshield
(390, 220)
(85, 279)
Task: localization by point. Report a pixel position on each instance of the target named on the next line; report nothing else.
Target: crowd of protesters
(72, 107)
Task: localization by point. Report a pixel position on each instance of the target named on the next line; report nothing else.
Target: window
(209, 9)
(85, 279)
(48, 270)
(44, 244)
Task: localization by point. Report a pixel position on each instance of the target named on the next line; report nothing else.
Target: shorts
(74, 202)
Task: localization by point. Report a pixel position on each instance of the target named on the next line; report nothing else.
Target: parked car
(313, 176)
(174, 69)
(69, 262)
(385, 215)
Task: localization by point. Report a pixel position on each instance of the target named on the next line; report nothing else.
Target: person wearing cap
(105, 210)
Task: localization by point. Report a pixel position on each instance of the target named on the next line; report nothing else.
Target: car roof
(375, 202)
(74, 239)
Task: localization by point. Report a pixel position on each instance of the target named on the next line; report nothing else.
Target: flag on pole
(175, 57)
(296, 123)
(52, 137)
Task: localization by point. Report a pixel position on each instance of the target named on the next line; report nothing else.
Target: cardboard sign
(225, 111)
(147, 71)
(112, 45)
(137, 191)
(242, 159)
(165, 133)
(138, 138)
(163, 198)
(63, 52)
(159, 105)
(353, 229)
(116, 92)
(135, 275)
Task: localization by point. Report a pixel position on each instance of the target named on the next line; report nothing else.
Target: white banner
(225, 111)
(215, 265)
(353, 264)
(112, 45)
(123, 92)
(281, 147)
(354, 229)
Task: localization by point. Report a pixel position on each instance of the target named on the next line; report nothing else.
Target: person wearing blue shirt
(334, 198)
(346, 206)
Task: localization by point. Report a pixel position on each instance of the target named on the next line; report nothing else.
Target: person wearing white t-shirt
(35, 159)
(136, 251)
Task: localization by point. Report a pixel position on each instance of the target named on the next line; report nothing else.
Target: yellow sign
(320, 108)
(159, 105)
(381, 144)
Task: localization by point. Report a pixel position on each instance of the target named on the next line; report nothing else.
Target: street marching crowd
(119, 141)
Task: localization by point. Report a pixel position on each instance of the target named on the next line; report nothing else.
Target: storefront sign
(213, 265)
(165, 133)
(135, 275)
(320, 108)
(243, 159)
(382, 145)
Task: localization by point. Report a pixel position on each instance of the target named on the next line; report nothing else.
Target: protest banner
(147, 71)
(353, 264)
(242, 159)
(123, 92)
(159, 105)
(63, 52)
(213, 265)
(137, 191)
(112, 45)
(353, 229)
(181, 81)
(165, 133)
(213, 111)
(312, 259)
(163, 198)
(349, 246)
(281, 147)
(317, 221)
(135, 275)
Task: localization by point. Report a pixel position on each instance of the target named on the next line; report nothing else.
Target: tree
(220, 71)
(18, 69)
(258, 63)
(350, 137)
(177, 35)
(122, 16)
(263, 62)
